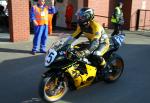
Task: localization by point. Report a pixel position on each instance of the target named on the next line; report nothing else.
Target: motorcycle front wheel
(114, 68)
(52, 89)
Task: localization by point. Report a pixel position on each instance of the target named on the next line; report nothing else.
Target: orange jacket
(41, 15)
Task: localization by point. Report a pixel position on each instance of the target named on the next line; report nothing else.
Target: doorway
(4, 24)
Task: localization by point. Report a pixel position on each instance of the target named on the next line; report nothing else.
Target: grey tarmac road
(20, 73)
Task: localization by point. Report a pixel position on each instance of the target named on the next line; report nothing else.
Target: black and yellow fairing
(82, 80)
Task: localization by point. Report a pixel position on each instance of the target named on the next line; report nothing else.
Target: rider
(99, 41)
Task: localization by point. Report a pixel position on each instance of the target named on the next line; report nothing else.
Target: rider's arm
(93, 45)
(97, 32)
(73, 37)
(69, 40)
(77, 33)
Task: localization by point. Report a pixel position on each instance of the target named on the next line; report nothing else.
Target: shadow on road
(4, 40)
(14, 50)
(20, 77)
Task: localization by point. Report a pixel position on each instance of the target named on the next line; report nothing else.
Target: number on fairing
(50, 57)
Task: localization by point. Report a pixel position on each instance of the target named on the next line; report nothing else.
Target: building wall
(61, 13)
(101, 8)
(80, 4)
(127, 13)
(19, 15)
(75, 5)
(18, 20)
(105, 8)
(62, 10)
(103, 11)
(144, 18)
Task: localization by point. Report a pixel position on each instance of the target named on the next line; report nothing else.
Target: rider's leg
(102, 49)
(116, 29)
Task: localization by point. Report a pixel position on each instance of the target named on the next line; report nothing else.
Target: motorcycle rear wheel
(114, 68)
(51, 89)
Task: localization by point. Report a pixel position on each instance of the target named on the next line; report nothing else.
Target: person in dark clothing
(117, 19)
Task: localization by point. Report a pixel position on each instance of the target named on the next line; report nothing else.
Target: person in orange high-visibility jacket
(39, 16)
(50, 19)
(69, 14)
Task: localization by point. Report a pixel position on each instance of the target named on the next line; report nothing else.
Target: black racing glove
(83, 53)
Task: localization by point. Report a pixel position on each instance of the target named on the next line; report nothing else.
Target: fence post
(137, 19)
(144, 20)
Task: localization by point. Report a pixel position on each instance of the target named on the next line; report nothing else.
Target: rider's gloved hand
(83, 53)
(80, 54)
(69, 55)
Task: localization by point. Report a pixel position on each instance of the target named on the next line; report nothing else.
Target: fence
(143, 20)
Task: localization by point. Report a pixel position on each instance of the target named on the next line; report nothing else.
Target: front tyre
(114, 68)
(53, 88)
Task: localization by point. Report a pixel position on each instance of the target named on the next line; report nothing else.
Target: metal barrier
(143, 20)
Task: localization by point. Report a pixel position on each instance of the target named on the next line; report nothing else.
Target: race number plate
(51, 54)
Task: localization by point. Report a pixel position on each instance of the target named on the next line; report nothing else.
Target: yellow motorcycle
(70, 74)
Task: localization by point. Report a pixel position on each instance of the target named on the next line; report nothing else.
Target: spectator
(69, 14)
(117, 19)
(39, 16)
(50, 26)
(50, 18)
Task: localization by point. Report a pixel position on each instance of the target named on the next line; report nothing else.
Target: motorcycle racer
(94, 32)
(73, 66)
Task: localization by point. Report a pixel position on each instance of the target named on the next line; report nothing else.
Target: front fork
(58, 81)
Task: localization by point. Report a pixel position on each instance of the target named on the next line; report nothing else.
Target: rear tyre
(52, 89)
(114, 68)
